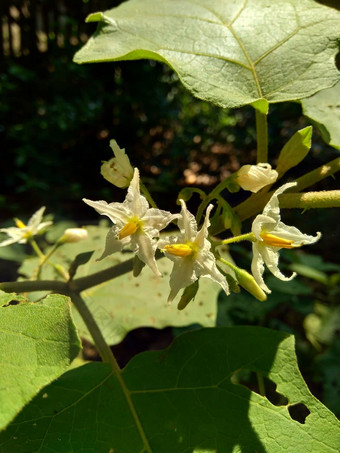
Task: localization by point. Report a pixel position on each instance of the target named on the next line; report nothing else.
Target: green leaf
(186, 399)
(230, 53)
(324, 110)
(127, 302)
(295, 150)
(37, 344)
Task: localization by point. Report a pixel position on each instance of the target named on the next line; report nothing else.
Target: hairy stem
(262, 136)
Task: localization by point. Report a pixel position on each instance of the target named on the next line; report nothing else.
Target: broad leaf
(230, 53)
(37, 344)
(128, 302)
(186, 400)
(324, 110)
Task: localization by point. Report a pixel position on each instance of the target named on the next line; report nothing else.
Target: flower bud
(118, 170)
(73, 235)
(188, 294)
(247, 281)
(255, 177)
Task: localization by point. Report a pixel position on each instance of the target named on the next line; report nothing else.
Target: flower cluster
(138, 226)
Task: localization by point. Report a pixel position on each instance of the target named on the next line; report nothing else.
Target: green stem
(262, 136)
(36, 248)
(213, 194)
(107, 356)
(260, 382)
(101, 345)
(147, 195)
(242, 237)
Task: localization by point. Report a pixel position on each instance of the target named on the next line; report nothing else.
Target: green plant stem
(255, 203)
(147, 195)
(242, 237)
(262, 136)
(107, 356)
(101, 345)
(318, 174)
(260, 382)
(37, 249)
(213, 194)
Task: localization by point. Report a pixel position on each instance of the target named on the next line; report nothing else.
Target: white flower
(74, 235)
(117, 170)
(21, 233)
(271, 235)
(190, 252)
(255, 177)
(135, 224)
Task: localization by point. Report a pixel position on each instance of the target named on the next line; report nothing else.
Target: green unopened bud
(247, 281)
(137, 266)
(118, 170)
(188, 294)
(295, 150)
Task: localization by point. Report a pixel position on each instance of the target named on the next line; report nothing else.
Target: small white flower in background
(21, 233)
(117, 170)
(135, 224)
(271, 235)
(190, 252)
(74, 235)
(255, 177)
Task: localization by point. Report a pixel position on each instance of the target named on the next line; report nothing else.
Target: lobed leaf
(230, 53)
(182, 399)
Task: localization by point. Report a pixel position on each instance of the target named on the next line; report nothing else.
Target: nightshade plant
(187, 398)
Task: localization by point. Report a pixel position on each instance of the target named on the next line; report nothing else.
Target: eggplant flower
(118, 170)
(270, 236)
(255, 177)
(22, 233)
(136, 224)
(190, 252)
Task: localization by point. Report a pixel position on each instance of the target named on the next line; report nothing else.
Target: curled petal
(271, 256)
(272, 208)
(187, 223)
(135, 202)
(203, 233)
(207, 268)
(112, 244)
(257, 268)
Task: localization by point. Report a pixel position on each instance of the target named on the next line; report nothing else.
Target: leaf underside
(185, 401)
(228, 52)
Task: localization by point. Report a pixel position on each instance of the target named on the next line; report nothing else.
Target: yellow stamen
(179, 249)
(276, 241)
(19, 223)
(130, 228)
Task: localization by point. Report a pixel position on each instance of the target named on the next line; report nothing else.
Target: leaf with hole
(182, 399)
(230, 53)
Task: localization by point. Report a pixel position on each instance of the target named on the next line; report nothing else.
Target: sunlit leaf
(230, 53)
(37, 344)
(183, 399)
(324, 109)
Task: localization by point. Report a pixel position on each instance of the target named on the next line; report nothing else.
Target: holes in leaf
(260, 384)
(299, 412)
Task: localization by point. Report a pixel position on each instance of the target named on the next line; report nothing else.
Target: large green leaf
(185, 399)
(324, 110)
(128, 302)
(228, 52)
(37, 344)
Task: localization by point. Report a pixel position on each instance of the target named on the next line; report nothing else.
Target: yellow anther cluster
(276, 241)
